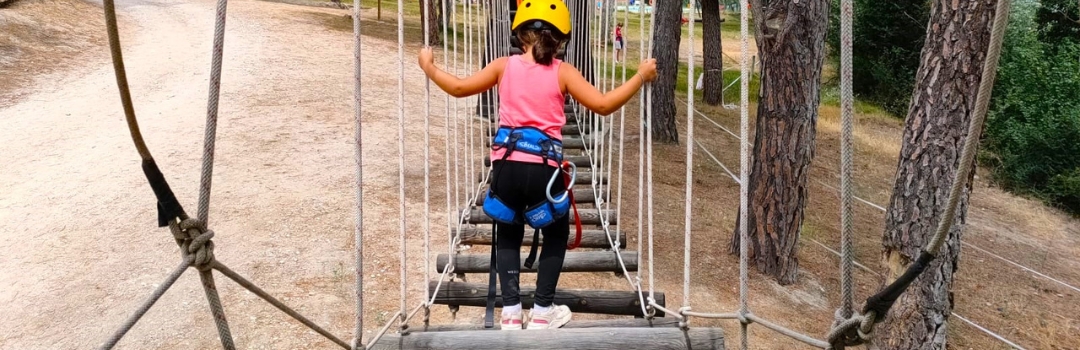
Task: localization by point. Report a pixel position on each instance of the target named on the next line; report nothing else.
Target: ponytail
(545, 43)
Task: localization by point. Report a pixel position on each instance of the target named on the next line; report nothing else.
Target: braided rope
(401, 160)
(427, 167)
(158, 292)
(744, 166)
(358, 159)
(688, 198)
(847, 228)
(978, 118)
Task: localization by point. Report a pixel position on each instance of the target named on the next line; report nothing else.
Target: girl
(620, 45)
(532, 89)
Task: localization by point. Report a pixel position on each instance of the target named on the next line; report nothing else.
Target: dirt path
(77, 218)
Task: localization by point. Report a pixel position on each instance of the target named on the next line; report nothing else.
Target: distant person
(532, 89)
(620, 45)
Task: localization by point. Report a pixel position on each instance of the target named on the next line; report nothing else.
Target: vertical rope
(649, 156)
(446, 139)
(689, 161)
(401, 155)
(427, 167)
(358, 232)
(206, 276)
(744, 166)
(978, 117)
(212, 113)
(846, 159)
(642, 96)
(456, 120)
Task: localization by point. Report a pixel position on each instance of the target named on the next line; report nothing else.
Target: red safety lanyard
(573, 204)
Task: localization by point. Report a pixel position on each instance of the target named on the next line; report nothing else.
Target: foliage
(887, 41)
(1033, 130)
(1058, 20)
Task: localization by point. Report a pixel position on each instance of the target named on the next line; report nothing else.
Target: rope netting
(474, 33)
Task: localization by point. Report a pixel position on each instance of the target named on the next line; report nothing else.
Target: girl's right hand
(647, 69)
(425, 59)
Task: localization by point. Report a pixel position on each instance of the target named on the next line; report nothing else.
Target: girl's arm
(457, 87)
(604, 104)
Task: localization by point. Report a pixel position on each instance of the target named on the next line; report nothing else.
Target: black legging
(521, 185)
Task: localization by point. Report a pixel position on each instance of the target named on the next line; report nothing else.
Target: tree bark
(666, 38)
(433, 20)
(713, 50)
(957, 39)
(791, 41)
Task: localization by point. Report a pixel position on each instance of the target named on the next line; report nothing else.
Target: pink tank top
(530, 95)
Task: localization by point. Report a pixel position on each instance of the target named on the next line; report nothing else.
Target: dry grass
(40, 37)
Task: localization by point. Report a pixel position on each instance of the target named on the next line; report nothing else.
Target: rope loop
(195, 238)
(851, 331)
(684, 323)
(742, 318)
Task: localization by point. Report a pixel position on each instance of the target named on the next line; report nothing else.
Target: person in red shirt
(620, 44)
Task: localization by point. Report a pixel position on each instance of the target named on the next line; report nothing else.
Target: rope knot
(850, 331)
(195, 239)
(742, 318)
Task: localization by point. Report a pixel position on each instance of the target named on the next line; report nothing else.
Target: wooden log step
(593, 261)
(588, 217)
(618, 322)
(608, 302)
(665, 338)
(589, 238)
(580, 161)
(582, 195)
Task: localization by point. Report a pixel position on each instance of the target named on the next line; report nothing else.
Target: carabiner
(569, 185)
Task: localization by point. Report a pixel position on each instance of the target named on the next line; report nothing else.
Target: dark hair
(545, 41)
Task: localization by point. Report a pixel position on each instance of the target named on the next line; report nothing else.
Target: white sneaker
(511, 322)
(556, 317)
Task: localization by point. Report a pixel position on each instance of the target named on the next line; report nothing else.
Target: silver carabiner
(565, 195)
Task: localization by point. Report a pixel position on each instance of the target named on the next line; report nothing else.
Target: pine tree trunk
(791, 41)
(434, 28)
(713, 50)
(957, 39)
(666, 38)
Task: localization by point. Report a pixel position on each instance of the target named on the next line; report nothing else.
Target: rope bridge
(591, 144)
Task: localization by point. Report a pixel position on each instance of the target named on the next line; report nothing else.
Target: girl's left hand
(426, 58)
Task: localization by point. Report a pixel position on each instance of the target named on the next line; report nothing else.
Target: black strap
(532, 251)
(168, 207)
(489, 314)
(881, 302)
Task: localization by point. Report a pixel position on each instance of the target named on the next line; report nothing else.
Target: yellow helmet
(553, 12)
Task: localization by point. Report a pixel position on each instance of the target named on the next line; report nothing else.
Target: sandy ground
(78, 217)
(81, 250)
